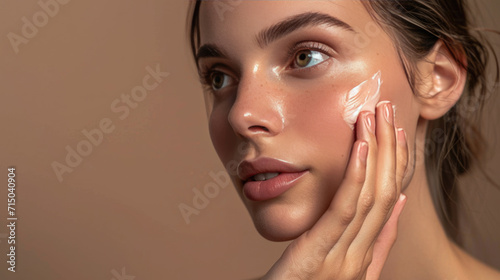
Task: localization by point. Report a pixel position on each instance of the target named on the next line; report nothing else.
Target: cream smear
(364, 97)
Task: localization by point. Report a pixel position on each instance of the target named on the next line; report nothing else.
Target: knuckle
(359, 178)
(353, 270)
(356, 176)
(347, 215)
(366, 203)
(391, 239)
(387, 199)
(309, 266)
(322, 247)
(303, 268)
(368, 260)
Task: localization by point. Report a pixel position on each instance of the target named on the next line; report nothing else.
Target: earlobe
(443, 81)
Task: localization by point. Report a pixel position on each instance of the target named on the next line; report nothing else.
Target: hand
(352, 239)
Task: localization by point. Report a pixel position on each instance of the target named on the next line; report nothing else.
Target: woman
(320, 111)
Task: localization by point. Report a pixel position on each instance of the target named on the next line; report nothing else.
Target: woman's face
(279, 75)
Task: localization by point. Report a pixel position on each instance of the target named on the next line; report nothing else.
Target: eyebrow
(209, 50)
(279, 30)
(295, 22)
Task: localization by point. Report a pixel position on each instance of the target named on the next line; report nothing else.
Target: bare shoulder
(475, 268)
(483, 271)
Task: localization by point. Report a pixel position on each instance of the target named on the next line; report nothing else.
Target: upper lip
(247, 169)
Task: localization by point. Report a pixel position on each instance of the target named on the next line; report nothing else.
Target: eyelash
(207, 71)
(206, 75)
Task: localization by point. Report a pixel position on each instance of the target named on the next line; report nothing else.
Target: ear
(442, 81)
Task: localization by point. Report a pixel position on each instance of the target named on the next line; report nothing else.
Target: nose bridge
(257, 109)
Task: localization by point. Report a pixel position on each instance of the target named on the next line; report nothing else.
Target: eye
(309, 58)
(219, 80)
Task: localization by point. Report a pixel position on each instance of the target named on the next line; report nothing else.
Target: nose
(257, 110)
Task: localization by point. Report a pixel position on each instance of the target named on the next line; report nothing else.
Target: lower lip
(268, 189)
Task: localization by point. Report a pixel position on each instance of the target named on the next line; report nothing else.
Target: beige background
(119, 207)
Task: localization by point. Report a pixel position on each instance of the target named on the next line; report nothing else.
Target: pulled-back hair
(453, 142)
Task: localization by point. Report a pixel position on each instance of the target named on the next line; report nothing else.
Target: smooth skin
(359, 210)
(261, 102)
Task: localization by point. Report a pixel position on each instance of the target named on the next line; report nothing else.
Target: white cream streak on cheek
(364, 97)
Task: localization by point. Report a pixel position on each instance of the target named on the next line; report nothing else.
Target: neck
(422, 249)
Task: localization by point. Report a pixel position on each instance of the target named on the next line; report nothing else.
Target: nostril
(258, 128)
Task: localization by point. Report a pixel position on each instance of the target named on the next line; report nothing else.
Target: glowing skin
(364, 97)
(295, 114)
(290, 108)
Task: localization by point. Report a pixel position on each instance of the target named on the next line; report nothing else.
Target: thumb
(385, 240)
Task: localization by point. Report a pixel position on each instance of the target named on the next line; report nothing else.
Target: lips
(267, 178)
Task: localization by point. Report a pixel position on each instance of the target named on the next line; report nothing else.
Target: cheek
(317, 111)
(322, 140)
(316, 123)
(396, 89)
(363, 97)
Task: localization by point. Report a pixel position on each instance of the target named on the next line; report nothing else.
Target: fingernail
(401, 137)
(363, 152)
(388, 113)
(402, 196)
(402, 201)
(394, 112)
(370, 123)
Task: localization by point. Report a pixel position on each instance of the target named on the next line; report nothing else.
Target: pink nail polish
(402, 196)
(363, 152)
(401, 136)
(370, 123)
(387, 113)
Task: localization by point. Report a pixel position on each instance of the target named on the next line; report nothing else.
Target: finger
(363, 277)
(386, 189)
(365, 130)
(367, 195)
(402, 158)
(386, 194)
(367, 262)
(385, 241)
(342, 209)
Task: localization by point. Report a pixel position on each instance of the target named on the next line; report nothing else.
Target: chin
(283, 222)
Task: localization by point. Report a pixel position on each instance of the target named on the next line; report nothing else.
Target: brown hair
(453, 141)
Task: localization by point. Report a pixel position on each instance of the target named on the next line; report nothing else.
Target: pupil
(217, 81)
(303, 58)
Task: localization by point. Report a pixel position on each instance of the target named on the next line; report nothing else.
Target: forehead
(225, 20)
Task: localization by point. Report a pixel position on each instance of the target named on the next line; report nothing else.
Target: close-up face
(285, 80)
